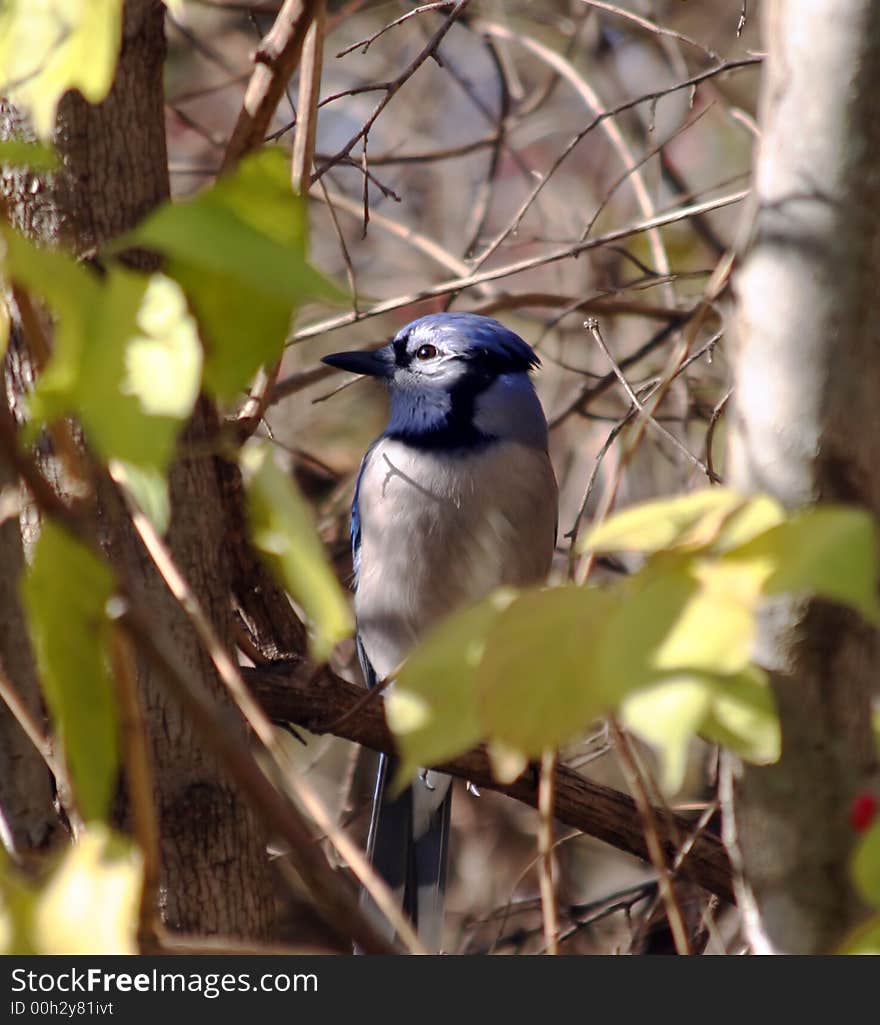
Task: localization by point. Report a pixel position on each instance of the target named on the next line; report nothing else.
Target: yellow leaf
(283, 529)
(865, 939)
(432, 706)
(507, 763)
(827, 550)
(537, 683)
(90, 906)
(164, 362)
(743, 716)
(50, 46)
(667, 716)
(692, 519)
(715, 631)
(866, 865)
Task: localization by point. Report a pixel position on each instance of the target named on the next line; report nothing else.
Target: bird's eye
(426, 352)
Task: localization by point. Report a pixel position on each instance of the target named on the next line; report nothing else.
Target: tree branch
(291, 692)
(275, 61)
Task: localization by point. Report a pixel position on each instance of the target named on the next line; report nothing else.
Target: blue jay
(455, 498)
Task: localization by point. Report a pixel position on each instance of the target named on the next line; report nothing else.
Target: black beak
(371, 364)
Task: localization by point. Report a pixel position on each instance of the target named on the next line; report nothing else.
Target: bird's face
(442, 353)
(456, 380)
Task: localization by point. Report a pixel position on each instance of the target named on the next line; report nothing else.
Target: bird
(455, 498)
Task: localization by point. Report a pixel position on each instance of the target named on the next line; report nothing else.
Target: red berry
(863, 811)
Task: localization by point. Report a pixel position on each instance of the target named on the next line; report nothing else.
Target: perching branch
(291, 692)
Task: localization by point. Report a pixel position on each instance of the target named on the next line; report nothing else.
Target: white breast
(439, 531)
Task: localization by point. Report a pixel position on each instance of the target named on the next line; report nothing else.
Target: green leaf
(90, 904)
(126, 358)
(4, 328)
(667, 716)
(17, 901)
(651, 526)
(33, 155)
(829, 551)
(282, 528)
(50, 46)
(865, 939)
(239, 251)
(716, 626)
(866, 866)
(647, 607)
(65, 591)
(163, 361)
(715, 518)
(432, 708)
(743, 716)
(537, 685)
(147, 488)
(736, 711)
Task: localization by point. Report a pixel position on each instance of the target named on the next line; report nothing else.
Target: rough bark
(807, 428)
(292, 693)
(215, 874)
(29, 825)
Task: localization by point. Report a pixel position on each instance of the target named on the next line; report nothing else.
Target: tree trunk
(215, 873)
(28, 823)
(806, 429)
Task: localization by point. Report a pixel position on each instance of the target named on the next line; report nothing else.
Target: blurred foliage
(50, 46)
(239, 252)
(669, 646)
(65, 592)
(283, 530)
(88, 904)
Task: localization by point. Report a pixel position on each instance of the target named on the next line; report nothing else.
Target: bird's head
(455, 380)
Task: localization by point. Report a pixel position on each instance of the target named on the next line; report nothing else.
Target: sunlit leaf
(715, 630)
(163, 361)
(4, 328)
(147, 488)
(508, 764)
(829, 551)
(536, 683)
(737, 711)
(34, 155)
(17, 900)
(743, 717)
(866, 865)
(865, 939)
(50, 46)
(647, 607)
(282, 528)
(432, 708)
(65, 591)
(651, 526)
(756, 515)
(126, 359)
(239, 251)
(90, 905)
(667, 716)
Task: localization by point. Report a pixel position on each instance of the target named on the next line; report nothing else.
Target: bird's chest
(437, 532)
(424, 512)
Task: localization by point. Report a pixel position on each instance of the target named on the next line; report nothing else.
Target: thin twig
(507, 270)
(651, 26)
(364, 44)
(262, 726)
(615, 137)
(652, 838)
(392, 88)
(275, 60)
(545, 849)
(592, 325)
(141, 790)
